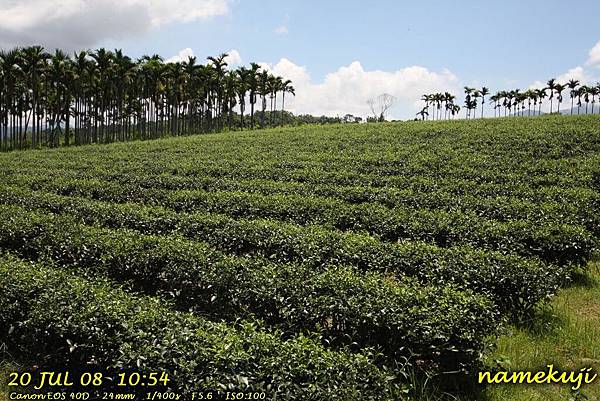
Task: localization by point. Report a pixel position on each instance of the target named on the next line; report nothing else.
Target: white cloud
(182, 56)
(281, 30)
(348, 89)
(578, 73)
(75, 24)
(537, 85)
(594, 56)
(233, 58)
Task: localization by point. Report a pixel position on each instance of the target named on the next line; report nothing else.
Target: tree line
(102, 96)
(440, 103)
(511, 102)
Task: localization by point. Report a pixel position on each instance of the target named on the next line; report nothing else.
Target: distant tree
(551, 86)
(529, 96)
(253, 86)
(559, 88)
(286, 87)
(427, 99)
(449, 100)
(515, 97)
(455, 110)
(470, 105)
(595, 91)
(579, 93)
(423, 113)
(495, 98)
(484, 92)
(572, 84)
(380, 105)
(468, 95)
(541, 94)
(586, 90)
(351, 119)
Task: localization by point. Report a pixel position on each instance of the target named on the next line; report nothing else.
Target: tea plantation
(312, 263)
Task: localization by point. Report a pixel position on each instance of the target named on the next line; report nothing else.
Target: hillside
(344, 262)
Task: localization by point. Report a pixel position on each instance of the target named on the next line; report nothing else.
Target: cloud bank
(78, 24)
(348, 89)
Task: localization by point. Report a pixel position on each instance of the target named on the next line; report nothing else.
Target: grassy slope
(567, 335)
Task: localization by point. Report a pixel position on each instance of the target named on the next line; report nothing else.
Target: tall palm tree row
(52, 99)
(442, 105)
(514, 102)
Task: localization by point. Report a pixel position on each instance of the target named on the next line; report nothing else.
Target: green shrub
(440, 326)
(514, 283)
(73, 324)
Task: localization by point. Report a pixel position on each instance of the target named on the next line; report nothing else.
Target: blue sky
(413, 46)
(478, 40)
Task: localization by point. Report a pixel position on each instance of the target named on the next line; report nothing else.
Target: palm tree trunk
(282, 106)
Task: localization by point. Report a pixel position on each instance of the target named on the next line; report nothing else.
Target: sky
(338, 53)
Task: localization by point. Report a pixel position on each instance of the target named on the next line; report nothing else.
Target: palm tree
(449, 99)
(11, 92)
(579, 93)
(253, 86)
(263, 91)
(559, 88)
(468, 94)
(470, 105)
(586, 91)
(34, 67)
(595, 91)
(437, 99)
(572, 84)
(286, 87)
(541, 94)
(551, 86)
(455, 110)
(231, 96)
(219, 65)
(243, 85)
(476, 95)
(535, 98)
(529, 96)
(495, 98)
(275, 85)
(484, 92)
(506, 102)
(427, 100)
(515, 97)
